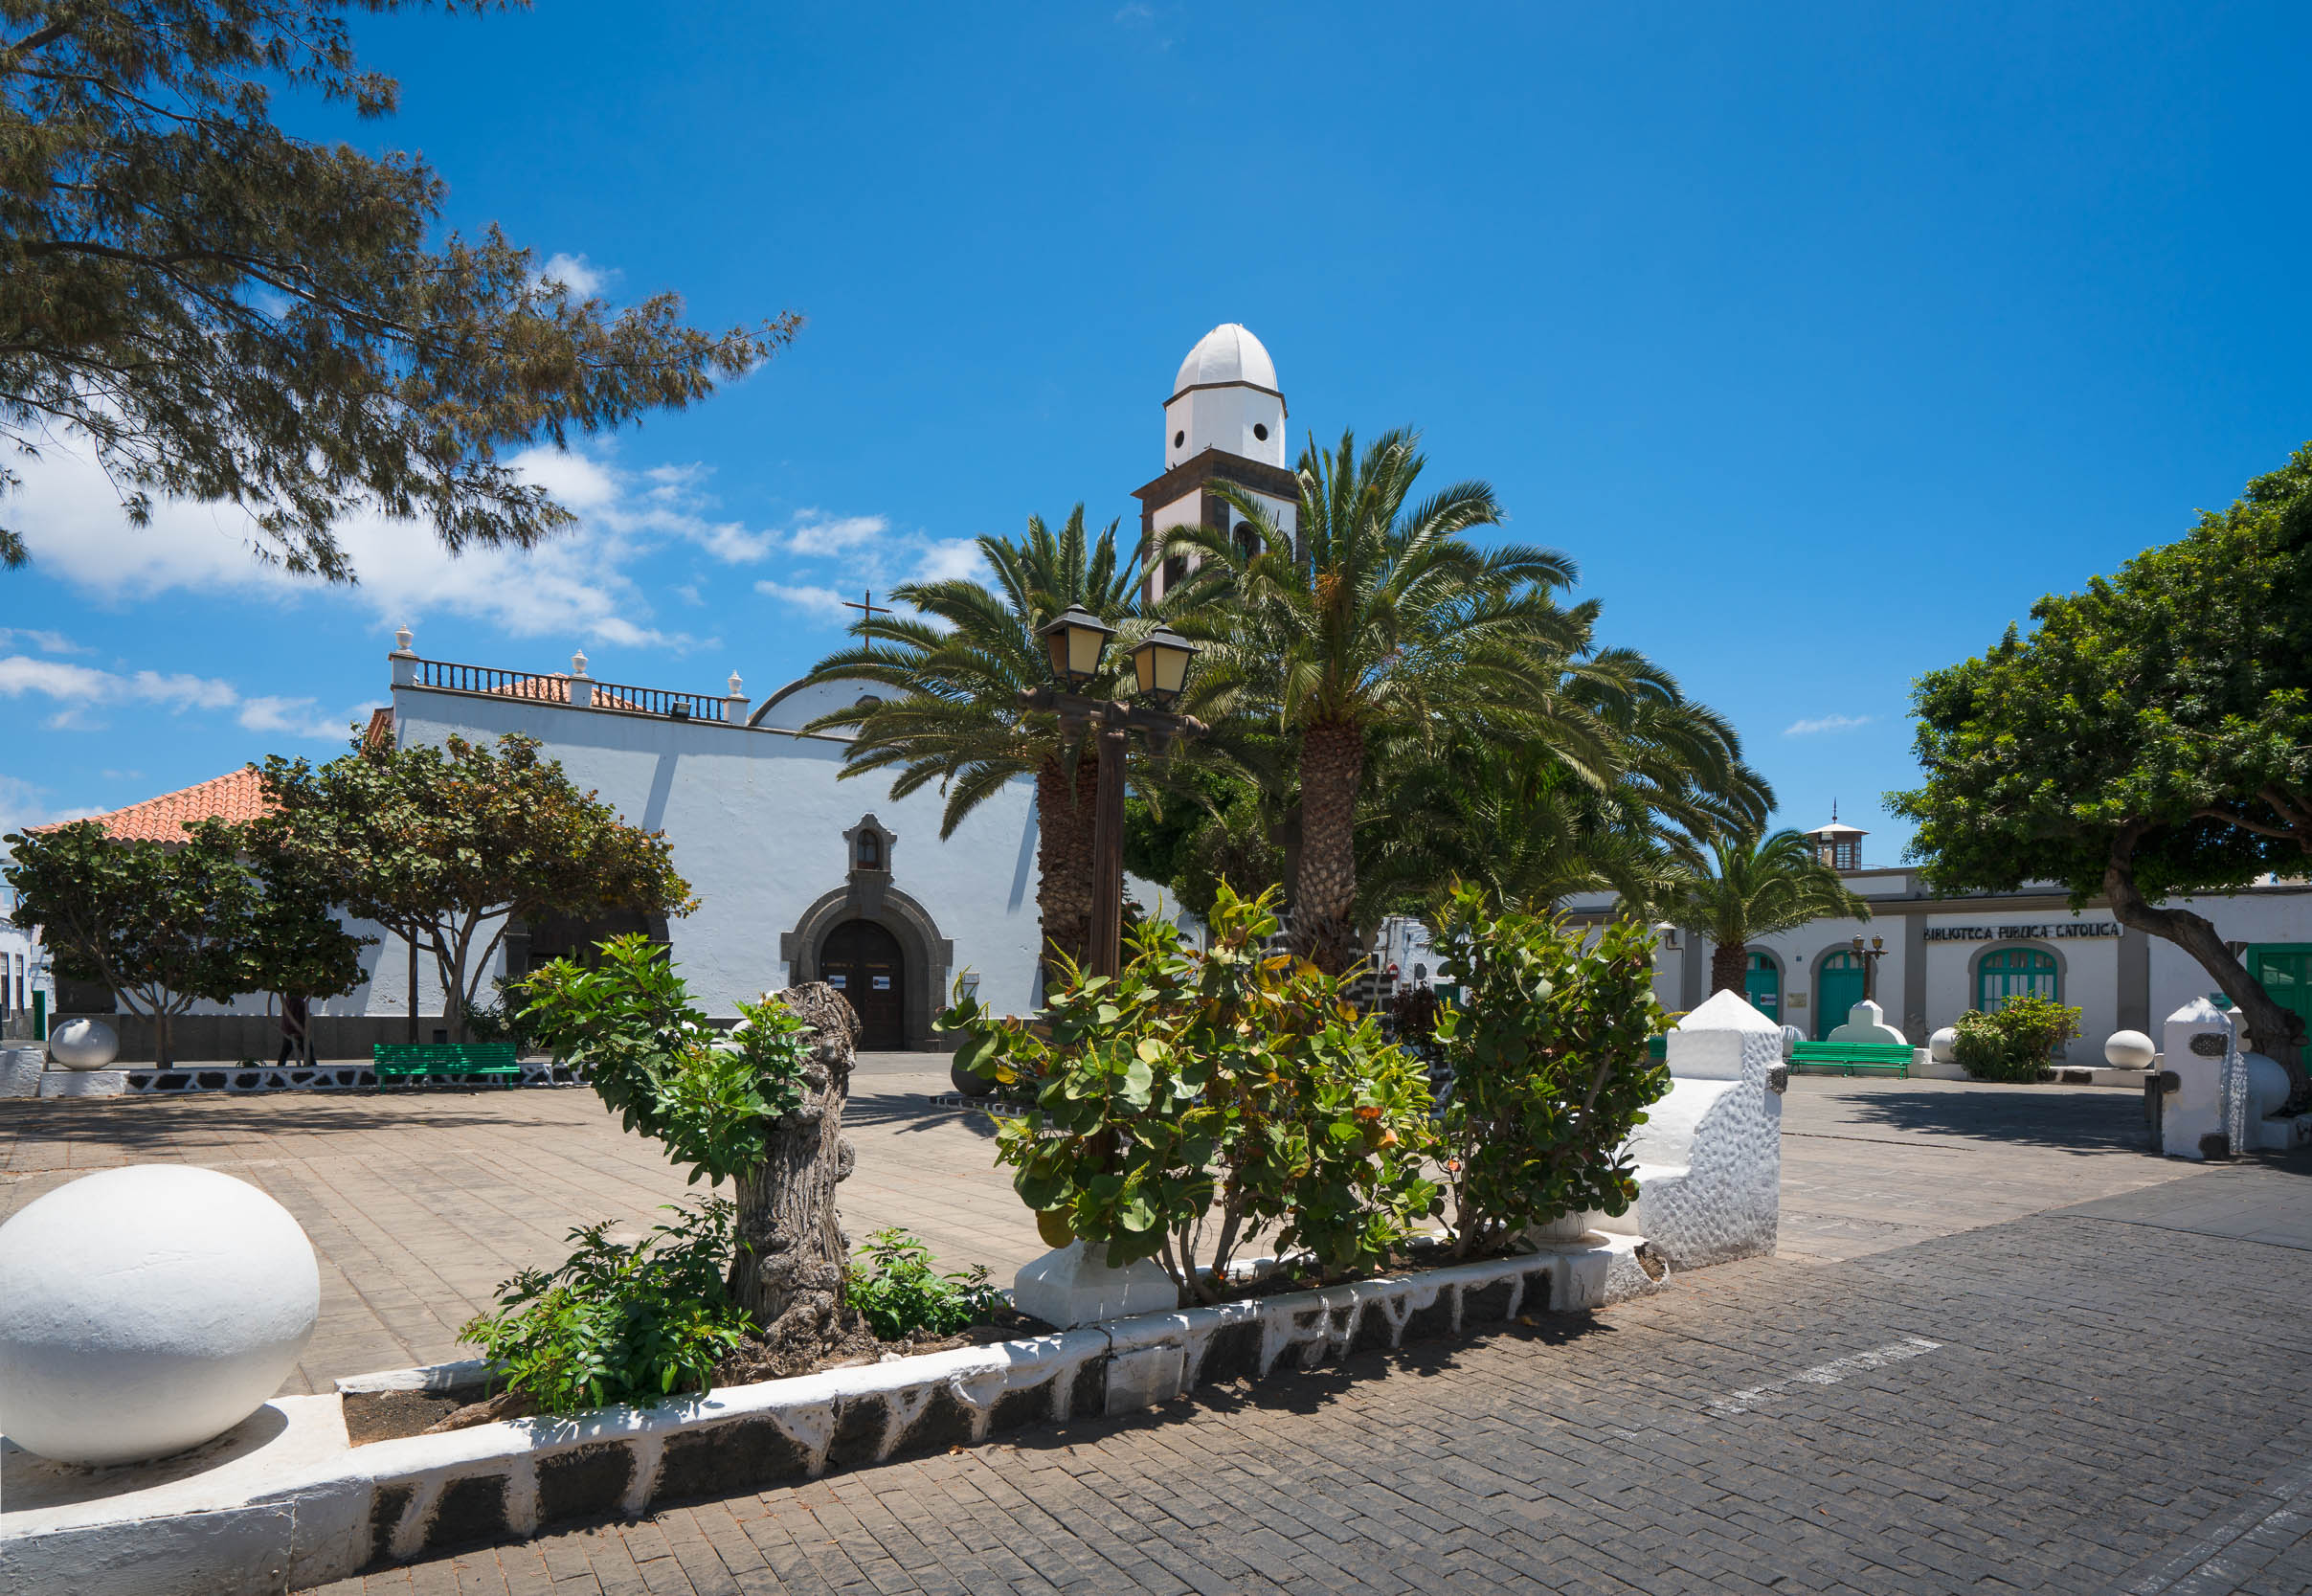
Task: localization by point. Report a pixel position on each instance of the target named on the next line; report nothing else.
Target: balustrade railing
(555, 689)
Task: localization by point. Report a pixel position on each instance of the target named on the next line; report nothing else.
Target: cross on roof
(867, 607)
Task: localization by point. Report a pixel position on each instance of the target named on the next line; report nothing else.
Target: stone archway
(927, 955)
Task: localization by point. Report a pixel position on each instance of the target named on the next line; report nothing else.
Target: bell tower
(1223, 424)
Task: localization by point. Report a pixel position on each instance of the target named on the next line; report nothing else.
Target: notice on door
(839, 982)
(883, 983)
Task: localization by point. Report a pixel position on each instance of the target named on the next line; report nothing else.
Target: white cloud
(817, 534)
(950, 557)
(47, 643)
(579, 275)
(22, 805)
(823, 602)
(80, 691)
(1826, 723)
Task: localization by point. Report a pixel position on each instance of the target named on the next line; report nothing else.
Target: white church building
(801, 876)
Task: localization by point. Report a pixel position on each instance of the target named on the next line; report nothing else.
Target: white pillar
(2202, 1052)
(405, 660)
(1710, 1154)
(581, 685)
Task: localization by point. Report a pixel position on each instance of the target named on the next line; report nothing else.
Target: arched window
(2005, 973)
(1175, 571)
(870, 851)
(1248, 541)
(1762, 986)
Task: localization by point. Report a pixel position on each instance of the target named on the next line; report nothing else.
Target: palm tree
(1751, 886)
(1508, 816)
(1373, 617)
(958, 668)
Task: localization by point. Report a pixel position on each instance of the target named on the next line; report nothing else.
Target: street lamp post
(1870, 956)
(1077, 641)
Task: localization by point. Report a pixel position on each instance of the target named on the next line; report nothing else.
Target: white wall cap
(2201, 1012)
(1727, 1011)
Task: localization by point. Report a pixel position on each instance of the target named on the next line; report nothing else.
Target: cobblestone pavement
(419, 1204)
(2061, 1403)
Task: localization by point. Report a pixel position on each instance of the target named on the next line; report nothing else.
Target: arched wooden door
(863, 961)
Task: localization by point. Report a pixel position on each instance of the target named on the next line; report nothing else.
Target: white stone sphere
(83, 1044)
(1941, 1044)
(146, 1310)
(2129, 1050)
(2267, 1085)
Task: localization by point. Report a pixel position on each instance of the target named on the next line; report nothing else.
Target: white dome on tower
(1228, 353)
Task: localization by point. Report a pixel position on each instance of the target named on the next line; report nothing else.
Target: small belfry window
(1175, 571)
(870, 851)
(1248, 541)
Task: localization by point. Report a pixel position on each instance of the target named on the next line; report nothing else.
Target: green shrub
(1200, 1096)
(1547, 1043)
(617, 1323)
(898, 1292)
(2014, 1041)
(710, 1096)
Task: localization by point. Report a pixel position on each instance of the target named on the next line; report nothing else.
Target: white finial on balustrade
(734, 704)
(405, 660)
(577, 665)
(736, 685)
(401, 642)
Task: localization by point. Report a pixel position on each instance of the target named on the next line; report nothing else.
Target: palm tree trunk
(1729, 968)
(1064, 862)
(1331, 765)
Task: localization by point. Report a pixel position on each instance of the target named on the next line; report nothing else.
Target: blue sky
(1825, 338)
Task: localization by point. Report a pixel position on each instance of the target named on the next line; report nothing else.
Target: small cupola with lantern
(1837, 844)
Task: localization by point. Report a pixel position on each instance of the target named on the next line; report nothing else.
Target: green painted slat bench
(401, 1061)
(1869, 1057)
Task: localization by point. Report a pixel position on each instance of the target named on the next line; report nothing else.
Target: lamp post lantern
(1870, 956)
(1076, 642)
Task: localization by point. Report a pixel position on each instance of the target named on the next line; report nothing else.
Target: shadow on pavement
(907, 1111)
(2079, 1119)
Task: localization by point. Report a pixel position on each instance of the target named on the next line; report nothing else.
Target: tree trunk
(788, 1271)
(2270, 1029)
(1729, 969)
(1063, 858)
(1332, 766)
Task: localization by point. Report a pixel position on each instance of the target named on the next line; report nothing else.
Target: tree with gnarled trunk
(2150, 739)
(958, 668)
(1747, 886)
(760, 1106)
(1372, 616)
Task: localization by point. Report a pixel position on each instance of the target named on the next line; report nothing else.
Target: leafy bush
(1197, 1096)
(2015, 1041)
(618, 1323)
(1547, 1043)
(708, 1096)
(900, 1294)
(502, 1018)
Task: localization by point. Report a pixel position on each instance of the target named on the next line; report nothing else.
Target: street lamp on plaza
(1870, 956)
(1077, 641)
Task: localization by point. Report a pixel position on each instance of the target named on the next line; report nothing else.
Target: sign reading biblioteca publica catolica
(2043, 932)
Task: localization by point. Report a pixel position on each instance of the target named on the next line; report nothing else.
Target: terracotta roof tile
(555, 689)
(236, 798)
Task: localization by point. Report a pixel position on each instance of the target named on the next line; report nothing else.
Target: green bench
(1868, 1058)
(402, 1060)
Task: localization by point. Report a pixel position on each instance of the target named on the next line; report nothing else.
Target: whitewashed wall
(756, 818)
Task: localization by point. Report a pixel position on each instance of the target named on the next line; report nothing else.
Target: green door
(2284, 971)
(1762, 986)
(1836, 990)
(2009, 973)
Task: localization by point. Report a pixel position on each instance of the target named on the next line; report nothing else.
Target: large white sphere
(2267, 1085)
(83, 1044)
(1939, 1045)
(2129, 1050)
(146, 1310)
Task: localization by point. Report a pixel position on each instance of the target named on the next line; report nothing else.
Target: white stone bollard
(2202, 1044)
(1709, 1156)
(20, 1071)
(1075, 1285)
